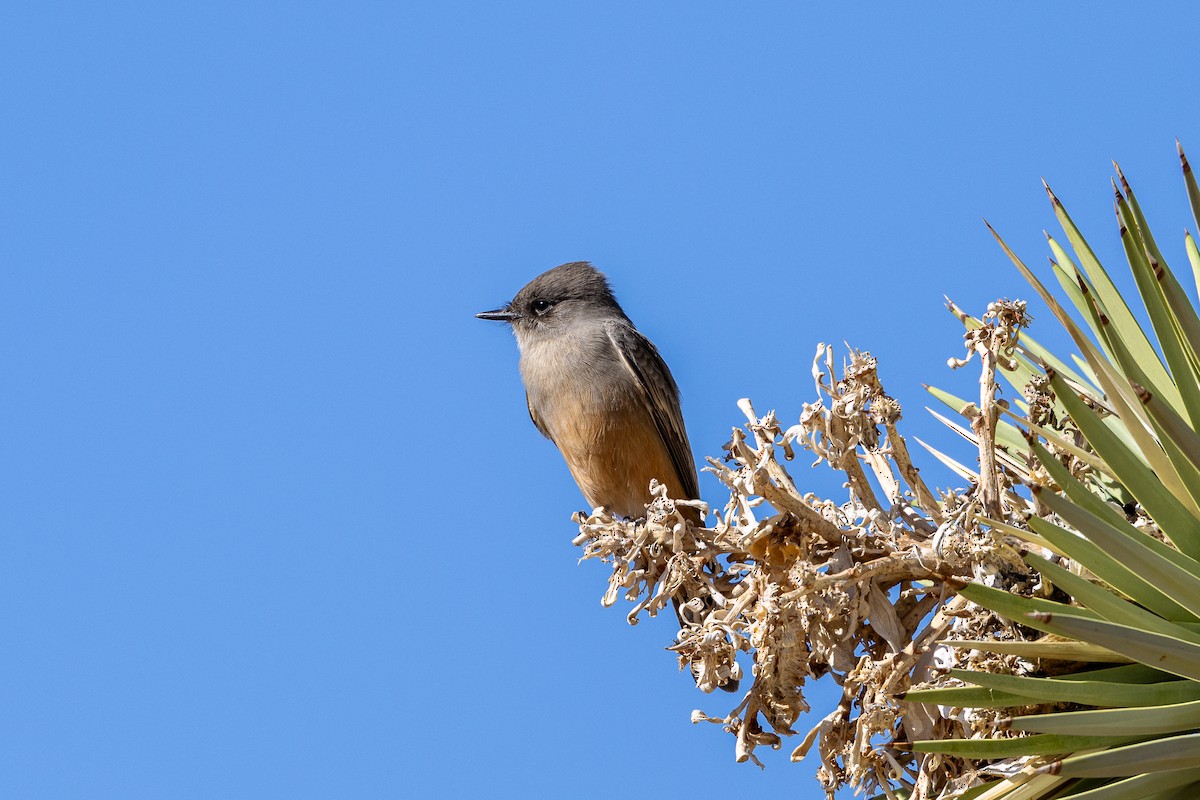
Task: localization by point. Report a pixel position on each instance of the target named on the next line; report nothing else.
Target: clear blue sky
(274, 520)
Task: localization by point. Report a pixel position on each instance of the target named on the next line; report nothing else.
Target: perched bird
(600, 391)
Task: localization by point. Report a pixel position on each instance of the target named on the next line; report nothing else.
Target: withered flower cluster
(860, 592)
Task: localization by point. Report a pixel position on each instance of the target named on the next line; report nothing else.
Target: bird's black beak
(505, 314)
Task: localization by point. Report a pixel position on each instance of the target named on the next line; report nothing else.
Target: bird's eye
(541, 306)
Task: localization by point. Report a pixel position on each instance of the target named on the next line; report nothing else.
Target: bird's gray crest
(577, 280)
(580, 290)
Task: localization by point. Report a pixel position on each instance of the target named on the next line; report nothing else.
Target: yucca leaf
(959, 406)
(1036, 351)
(1172, 573)
(1110, 297)
(976, 792)
(1183, 393)
(1091, 309)
(1109, 569)
(1163, 652)
(1105, 514)
(1138, 217)
(1180, 442)
(1131, 373)
(1028, 784)
(1148, 786)
(1115, 348)
(969, 321)
(1055, 438)
(1185, 469)
(1023, 534)
(1101, 480)
(1065, 650)
(1141, 600)
(1085, 691)
(1127, 420)
(966, 697)
(1039, 744)
(1018, 608)
(1172, 426)
(1091, 557)
(1072, 486)
(1187, 326)
(1007, 437)
(1126, 673)
(1086, 369)
(1189, 180)
(954, 466)
(1185, 321)
(1065, 271)
(1146, 484)
(1115, 386)
(1125, 374)
(1108, 605)
(1193, 254)
(952, 402)
(1028, 369)
(1170, 753)
(1182, 793)
(1136, 721)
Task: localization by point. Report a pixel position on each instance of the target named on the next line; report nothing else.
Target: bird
(600, 391)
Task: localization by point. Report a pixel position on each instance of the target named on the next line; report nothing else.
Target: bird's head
(556, 299)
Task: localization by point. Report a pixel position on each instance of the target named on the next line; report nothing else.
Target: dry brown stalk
(861, 591)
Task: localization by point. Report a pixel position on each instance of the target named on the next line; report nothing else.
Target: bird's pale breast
(592, 409)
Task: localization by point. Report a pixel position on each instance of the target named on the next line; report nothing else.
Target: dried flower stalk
(860, 591)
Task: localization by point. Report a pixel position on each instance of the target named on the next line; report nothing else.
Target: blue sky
(275, 522)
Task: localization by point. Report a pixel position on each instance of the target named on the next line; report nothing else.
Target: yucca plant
(1105, 455)
(1047, 612)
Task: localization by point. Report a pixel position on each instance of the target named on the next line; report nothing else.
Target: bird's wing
(661, 396)
(536, 421)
